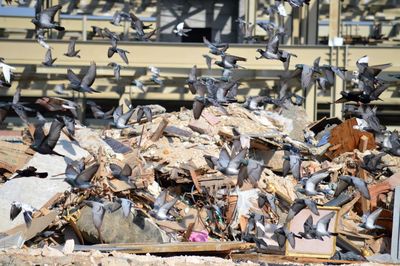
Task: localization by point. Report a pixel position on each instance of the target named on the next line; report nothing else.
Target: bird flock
(235, 161)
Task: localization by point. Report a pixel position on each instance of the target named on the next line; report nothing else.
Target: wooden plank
(277, 259)
(177, 248)
(12, 156)
(160, 129)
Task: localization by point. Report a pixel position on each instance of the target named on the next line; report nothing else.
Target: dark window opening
(196, 35)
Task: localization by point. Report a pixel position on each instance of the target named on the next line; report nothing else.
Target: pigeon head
(260, 50)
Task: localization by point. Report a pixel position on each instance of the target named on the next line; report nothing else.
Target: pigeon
(250, 169)
(265, 197)
(192, 75)
(30, 171)
(180, 31)
(119, 173)
(18, 108)
(69, 124)
(358, 183)
(6, 70)
(215, 49)
(292, 162)
(27, 210)
(373, 162)
(369, 220)
(162, 207)
(79, 176)
(114, 49)
(45, 18)
(98, 211)
(312, 182)
(98, 113)
(120, 119)
(300, 204)
(87, 81)
(140, 85)
(60, 89)
(208, 60)
(97, 31)
(391, 143)
(71, 49)
(117, 70)
(44, 144)
(54, 104)
(225, 163)
(41, 39)
(201, 102)
(126, 205)
(110, 35)
(138, 25)
(144, 111)
(319, 230)
(229, 61)
(118, 16)
(48, 59)
(297, 3)
(272, 50)
(147, 36)
(282, 234)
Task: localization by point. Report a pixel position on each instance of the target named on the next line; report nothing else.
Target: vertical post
(334, 20)
(340, 85)
(312, 23)
(311, 102)
(296, 25)
(251, 12)
(84, 28)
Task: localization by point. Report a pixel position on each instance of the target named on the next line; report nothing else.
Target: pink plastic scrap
(201, 236)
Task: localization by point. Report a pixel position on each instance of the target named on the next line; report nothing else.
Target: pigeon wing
(126, 171)
(361, 186)
(90, 76)
(115, 169)
(54, 133)
(371, 219)
(296, 207)
(323, 223)
(16, 208)
(72, 77)
(87, 174)
(28, 218)
(235, 161)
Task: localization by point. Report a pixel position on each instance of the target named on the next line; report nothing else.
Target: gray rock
(117, 229)
(300, 121)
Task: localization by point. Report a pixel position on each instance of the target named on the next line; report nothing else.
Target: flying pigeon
(87, 81)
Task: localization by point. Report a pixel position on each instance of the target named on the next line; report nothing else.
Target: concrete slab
(36, 191)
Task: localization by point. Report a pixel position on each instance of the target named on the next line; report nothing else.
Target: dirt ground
(55, 257)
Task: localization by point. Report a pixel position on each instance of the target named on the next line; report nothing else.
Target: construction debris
(158, 182)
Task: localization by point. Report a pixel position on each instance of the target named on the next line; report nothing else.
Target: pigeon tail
(59, 28)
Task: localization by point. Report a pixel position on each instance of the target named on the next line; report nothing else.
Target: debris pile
(170, 178)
